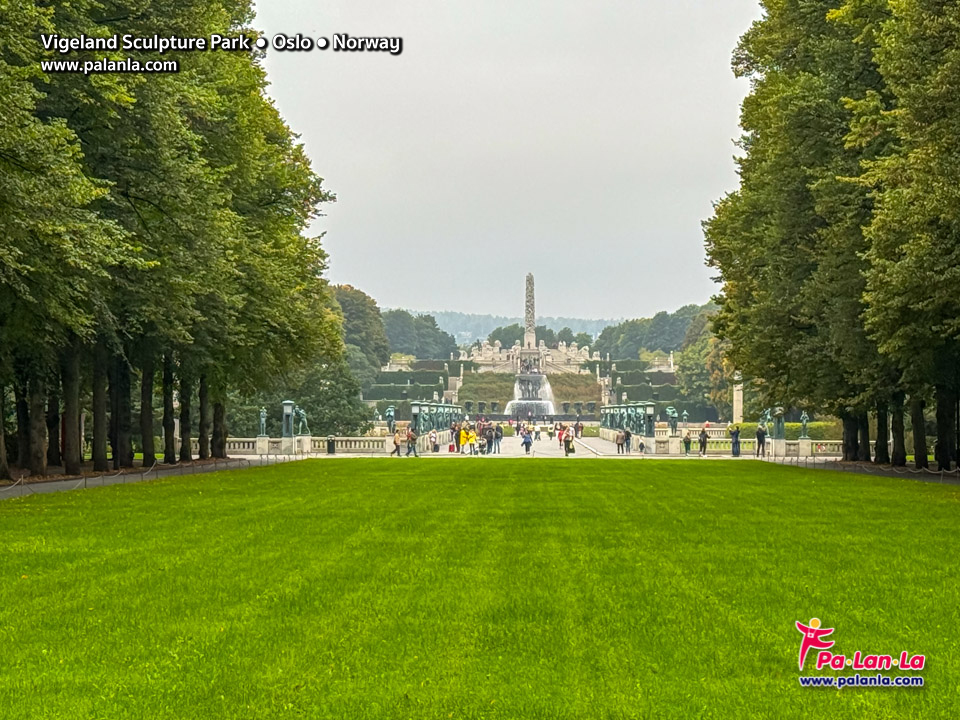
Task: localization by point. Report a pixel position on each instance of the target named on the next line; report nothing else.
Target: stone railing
(235, 446)
(350, 445)
(318, 445)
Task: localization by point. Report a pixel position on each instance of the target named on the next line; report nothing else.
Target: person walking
(497, 437)
(455, 435)
(703, 442)
(435, 441)
(687, 440)
(412, 442)
(568, 435)
(464, 439)
(472, 441)
(735, 441)
(560, 433)
(627, 439)
(489, 434)
(761, 441)
(526, 440)
(396, 444)
(621, 436)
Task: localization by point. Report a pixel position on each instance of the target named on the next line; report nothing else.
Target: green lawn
(492, 589)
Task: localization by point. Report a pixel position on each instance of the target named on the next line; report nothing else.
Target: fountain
(532, 397)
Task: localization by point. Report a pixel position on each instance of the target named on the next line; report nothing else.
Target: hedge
(439, 365)
(828, 430)
(645, 393)
(395, 392)
(417, 377)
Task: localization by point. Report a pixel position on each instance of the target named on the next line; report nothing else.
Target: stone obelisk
(530, 317)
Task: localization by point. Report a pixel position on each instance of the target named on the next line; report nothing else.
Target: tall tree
(914, 307)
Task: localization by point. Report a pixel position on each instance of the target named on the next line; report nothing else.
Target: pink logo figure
(812, 638)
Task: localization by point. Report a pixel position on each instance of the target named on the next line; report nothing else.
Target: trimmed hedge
(395, 392)
(417, 377)
(645, 393)
(827, 430)
(438, 365)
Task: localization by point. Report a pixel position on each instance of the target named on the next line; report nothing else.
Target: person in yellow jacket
(472, 440)
(464, 439)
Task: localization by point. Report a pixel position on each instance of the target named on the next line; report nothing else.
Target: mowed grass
(474, 589)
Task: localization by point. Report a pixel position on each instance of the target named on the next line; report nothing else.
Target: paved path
(20, 488)
(510, 447)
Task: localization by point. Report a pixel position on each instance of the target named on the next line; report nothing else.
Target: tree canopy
(839, 252)
(154, 228)
(417, 335)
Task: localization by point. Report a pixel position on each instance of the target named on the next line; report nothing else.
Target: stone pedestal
(304, 444)
(806, 447)
(650, 446)
(778, 448)
(263, 445)
(676, 445)
(286, 446)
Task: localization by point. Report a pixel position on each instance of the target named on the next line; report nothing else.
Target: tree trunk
(114, 391)
(863, 449)
(72, 442)
(38, 428)
(124, 413)
(882, 453)
(204, 437)
(23, 423)
(944, 448)
(53, 428)
(919, 432)
(219, 430)
(4, 467)
(186, 452)
(850, 443)
(899, 458)
(100, 429)
(169, 425)
(147, 369)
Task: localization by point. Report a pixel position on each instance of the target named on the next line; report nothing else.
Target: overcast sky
(583, 141)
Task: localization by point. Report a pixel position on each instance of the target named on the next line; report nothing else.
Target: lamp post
(415, 415)
(286, 442)
(650, 427)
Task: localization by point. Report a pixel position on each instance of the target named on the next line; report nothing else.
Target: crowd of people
(485, 437)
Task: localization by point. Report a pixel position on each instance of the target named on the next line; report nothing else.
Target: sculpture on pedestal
(672, 418)
(779, 424)
(804, 419)
(390, 414)
(301, 416)
(263, 422)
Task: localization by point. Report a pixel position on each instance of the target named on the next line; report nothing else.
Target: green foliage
(507, 336)
(417, 335)
(512, 334)
(450, 367)
(663, 332)
(362, 324)
(397, 392)
(402, 377)
(177, 232)
(788, 244)
(360, 366)
(327, 392)
(818, 431)
(703, 374)
(487, 387)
